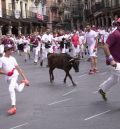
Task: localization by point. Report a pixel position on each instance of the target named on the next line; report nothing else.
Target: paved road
(59, 106)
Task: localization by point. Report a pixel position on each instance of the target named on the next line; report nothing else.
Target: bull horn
(71, 60)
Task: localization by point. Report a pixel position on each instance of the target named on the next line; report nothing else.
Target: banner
(40, 17)
(17, 14)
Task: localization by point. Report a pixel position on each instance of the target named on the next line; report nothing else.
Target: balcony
(7, 13)
(12, 14)
(54, 6)
(97, 7)
(87, 12)
(45, 17)
(101, 7)
(33, 16)
(116, 5)
(56, 19)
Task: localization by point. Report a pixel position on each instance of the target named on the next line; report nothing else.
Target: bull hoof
(64, 82)
(74, 84)
(51, 81)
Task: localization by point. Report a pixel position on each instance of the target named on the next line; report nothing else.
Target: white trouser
(43, 54)
(26, 52)
(76, 50)
(13, 85)
(36, 53)
(91, 51)
(82, 48)
(46, 52)
(112, 80)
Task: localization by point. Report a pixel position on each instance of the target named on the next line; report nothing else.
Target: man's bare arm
(21, 72)
(2, 71)
(109, 59)
(106, 50)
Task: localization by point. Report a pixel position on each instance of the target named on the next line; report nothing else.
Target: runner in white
(91, 40)
(82, 44)
(10, 68)
(75, 43)
(1, 49)
(26, 49)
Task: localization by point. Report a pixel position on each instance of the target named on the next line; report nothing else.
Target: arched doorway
(4, 30)
(15, 30)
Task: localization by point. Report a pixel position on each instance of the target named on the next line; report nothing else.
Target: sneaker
(96, 70)
(35, 63)
(11, 111)
(41, 63)
(89, 59)
(29, 56)
(91, 71)
(47, 66)
(25, 82)
(103, 94)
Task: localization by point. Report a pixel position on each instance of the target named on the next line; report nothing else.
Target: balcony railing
(99, 6)
(18, 15)
(116, 5)
(87, 12)
(7, 13)
(56, 19)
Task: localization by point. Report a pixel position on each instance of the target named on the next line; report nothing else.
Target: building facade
(22, 16)
(101, 12)
(98, 12)
(59, 13)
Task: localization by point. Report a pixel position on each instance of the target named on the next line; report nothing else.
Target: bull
(62, 61)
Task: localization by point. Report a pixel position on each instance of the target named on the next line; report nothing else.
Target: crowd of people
(77, 43)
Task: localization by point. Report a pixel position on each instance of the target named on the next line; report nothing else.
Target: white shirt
(45, 38)
(91, 37)
(81, 40)
(19, 41)
(106, 36)
(50, 37)
(60, 38)
(1, 48)
(8, 63)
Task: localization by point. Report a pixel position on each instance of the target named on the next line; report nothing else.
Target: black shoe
(35, 63)
(103, 94)
(47, 65)
(41, 63)
(29, 56)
